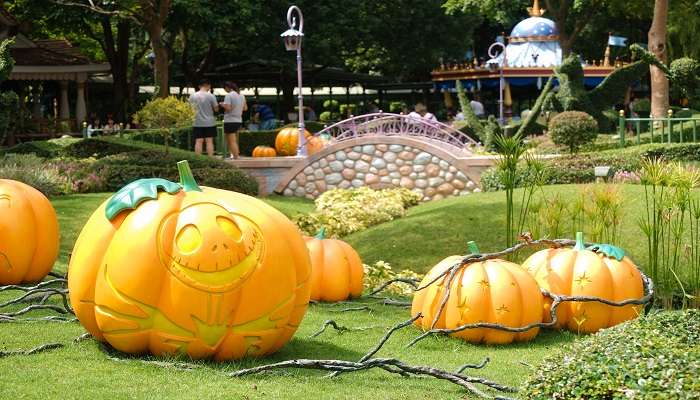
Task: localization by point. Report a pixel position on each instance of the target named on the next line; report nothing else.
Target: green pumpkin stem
(321, 233)
(473, 248)
(580, 245)
(186, 178)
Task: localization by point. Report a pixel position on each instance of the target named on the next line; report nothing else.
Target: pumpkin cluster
(501, 292)
(174, 268)
(287, 140)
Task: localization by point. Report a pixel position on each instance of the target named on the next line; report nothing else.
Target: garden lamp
(292, 42)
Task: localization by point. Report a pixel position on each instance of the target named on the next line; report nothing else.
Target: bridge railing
(660, 130)
(389, 124)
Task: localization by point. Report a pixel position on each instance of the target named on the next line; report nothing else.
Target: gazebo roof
(49, 52)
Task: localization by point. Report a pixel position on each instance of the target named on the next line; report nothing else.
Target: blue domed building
(532, 51)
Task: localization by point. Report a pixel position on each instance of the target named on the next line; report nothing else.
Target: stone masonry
(381, 166)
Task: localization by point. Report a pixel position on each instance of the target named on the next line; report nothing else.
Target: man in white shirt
(204, 126)
(234, 105)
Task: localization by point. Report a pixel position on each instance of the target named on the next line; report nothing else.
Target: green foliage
(653, 357)
(311, 126)
(642, 107)
(99, 147)
(685, 74)
(121, 169)
(165, 115)
(331, 105)
(9, 101)
(573, 129)
(40, 148)
(380, 272)
(7, 63)
(33, 171)
(342, 212)
(397, 106)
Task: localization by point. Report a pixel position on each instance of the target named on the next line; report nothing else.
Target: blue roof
(535, 26)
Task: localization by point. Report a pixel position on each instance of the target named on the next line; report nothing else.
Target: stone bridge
(424, 165)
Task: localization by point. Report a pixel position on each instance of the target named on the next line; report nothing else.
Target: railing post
(639, 132)
(670, 124)
(621, 128)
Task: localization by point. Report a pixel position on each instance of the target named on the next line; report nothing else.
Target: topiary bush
(685, 79)
(654, 357)
(43, 149)
(121, 169)
(99, 147)
(164, 115)
(642, 107)
(248, 140)
(573, 129)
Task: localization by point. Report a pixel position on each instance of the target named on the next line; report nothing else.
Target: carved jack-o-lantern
(199, 271)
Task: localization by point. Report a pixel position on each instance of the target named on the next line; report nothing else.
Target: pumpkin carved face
(494, 291)
(189, 270)
(208, 248)
(582, 272)
(29, 237)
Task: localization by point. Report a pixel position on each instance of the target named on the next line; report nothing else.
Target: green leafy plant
(573, 129)
(165, 114)
(8, 100)
(642, 107)
(652, 357)
(685, 74)
(342, 211)
(380, 272)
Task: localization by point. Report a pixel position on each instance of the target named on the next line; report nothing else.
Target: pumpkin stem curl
(580, 245)
(321, 233)
(473, 248)
(186, 178)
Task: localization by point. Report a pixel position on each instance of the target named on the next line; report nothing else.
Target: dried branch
(84, 336)
(480, 365)
(348, 309)
(340, 328)
(35, 350)
(410, 281)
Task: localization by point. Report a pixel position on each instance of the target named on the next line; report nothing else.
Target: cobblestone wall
(382, 166)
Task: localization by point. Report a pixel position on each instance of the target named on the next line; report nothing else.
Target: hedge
(120, 169)
(578, 168)
(248, 140)
(653, 357)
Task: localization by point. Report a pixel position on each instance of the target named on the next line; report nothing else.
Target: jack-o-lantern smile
(208, 248)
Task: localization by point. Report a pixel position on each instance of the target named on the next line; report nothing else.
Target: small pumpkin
(264, 151)
(494, 291)
(287, 141)
(168, 268)
(601, 271)
(336, 269)
(29, 238)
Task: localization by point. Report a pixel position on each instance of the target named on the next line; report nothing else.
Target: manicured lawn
(429, 232)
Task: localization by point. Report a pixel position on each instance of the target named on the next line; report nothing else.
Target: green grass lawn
(428, 233)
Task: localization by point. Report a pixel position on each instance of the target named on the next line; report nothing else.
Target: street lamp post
(292, 42)
(501, 82)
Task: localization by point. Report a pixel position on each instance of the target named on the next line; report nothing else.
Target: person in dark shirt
(264, 114)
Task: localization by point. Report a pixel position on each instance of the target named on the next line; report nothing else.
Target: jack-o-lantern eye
(230, 228)
(188, 239)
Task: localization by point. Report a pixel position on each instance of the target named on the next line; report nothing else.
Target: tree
(149, 15)
(8, 99)
(657, 45)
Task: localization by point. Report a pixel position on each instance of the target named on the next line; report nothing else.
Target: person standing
(234, 105)
(477, 107)
(204, 126)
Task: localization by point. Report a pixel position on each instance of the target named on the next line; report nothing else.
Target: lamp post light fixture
(494, 63)
(292, 42)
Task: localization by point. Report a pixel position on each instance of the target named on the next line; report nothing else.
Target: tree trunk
(155, 14)
(657, 45)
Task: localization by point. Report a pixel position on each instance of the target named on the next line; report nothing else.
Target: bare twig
(480, 365)
(83, 337)
(35, 350)
(331, 323)
(349, 309)
(409, 281)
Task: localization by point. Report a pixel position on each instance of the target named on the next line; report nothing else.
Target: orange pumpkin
(287, 141)
(171, 268)
(494, 291)
(264, 151)
(581, 272)
(28, 233)
(314, 144)
(336, 269)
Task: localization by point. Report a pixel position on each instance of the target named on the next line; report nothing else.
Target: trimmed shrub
(573, 129)
(121, 169)
(653, 357)
(642, 107)
(42, 149)
(686, 77)
(342, 212)
(164, 115)
(99, 147)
